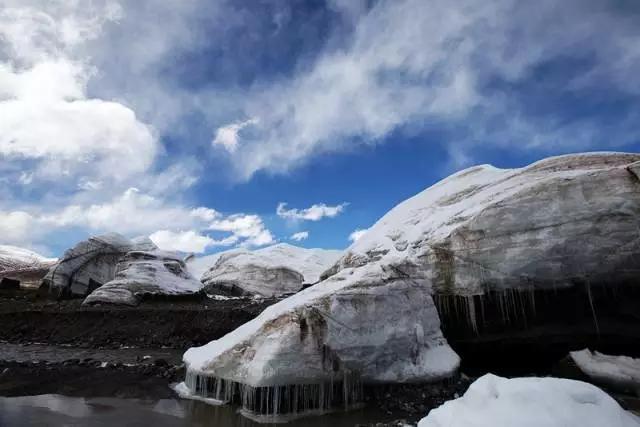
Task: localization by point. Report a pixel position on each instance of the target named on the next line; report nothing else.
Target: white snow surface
(198, 265)
(258, 354)
(311, 263)
(621, 371)
(493, 401)
(15, 258)
(154, 272)
(413, 228)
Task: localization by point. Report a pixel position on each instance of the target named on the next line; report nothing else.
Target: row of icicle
(279, 399)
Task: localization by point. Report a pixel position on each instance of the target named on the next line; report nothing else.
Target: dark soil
(414, 401)
(26, 317)
(88, 379)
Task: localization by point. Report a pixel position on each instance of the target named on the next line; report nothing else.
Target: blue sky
(192, 121)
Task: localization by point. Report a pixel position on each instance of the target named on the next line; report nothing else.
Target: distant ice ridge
(271, 271)
(14, 258)
(492, 401)
(113, 269)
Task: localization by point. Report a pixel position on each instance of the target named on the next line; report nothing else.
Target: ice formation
(91, 263)
(140, 273)
(620, 372)
(23, 265)
(13, 258)
(558, 223)
(272, 271)
(530, 402)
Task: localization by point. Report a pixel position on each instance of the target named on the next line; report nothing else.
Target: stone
(9, 284)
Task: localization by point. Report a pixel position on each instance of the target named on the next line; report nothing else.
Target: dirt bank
(26, 317)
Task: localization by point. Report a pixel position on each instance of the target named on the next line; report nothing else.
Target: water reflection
(56, 410)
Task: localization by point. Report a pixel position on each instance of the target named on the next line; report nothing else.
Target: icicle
(280, 399)
(593, 309)
(471, 313)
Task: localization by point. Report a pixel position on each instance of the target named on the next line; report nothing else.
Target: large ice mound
(271, 271)
(553, 224)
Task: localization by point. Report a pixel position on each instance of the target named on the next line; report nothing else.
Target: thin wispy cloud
(313, 213)
(300, 236)
(228, 136)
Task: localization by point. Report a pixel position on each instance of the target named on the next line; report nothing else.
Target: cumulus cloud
(314, 213)
(134, 213)
(228, 136)
(300, 236)
(183, 241)
(16, 226)
(248, 230)
(205, 214)
(47, 116)
(357, 234)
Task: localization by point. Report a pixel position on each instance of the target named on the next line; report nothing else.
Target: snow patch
(530, 402)
(621, 371)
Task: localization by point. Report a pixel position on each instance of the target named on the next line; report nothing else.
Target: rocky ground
(26, 317)
(65, 348)
(62, 347)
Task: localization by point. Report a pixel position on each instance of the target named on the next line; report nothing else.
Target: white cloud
(248, 229)
(300, 236)
(183, 241)
(47, 117)
(357, 234)
(88, 185)
(171, 226)
(132, 212)
(228, 136)
(205, 214)
(25, 178)
(16, 227)
(314, 213)
(415, 64)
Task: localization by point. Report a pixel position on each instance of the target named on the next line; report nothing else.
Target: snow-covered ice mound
(23, 265)
(483, 229)
(91, 263)
(492, 401)
(272, 271)
(620, 372)
(13, 258)
(543, 225)
(141, 273)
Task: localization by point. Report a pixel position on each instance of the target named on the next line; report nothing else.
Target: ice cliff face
(556, 223)
(542, 226)
(271, 271)
(140, 273)
(91, 263)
